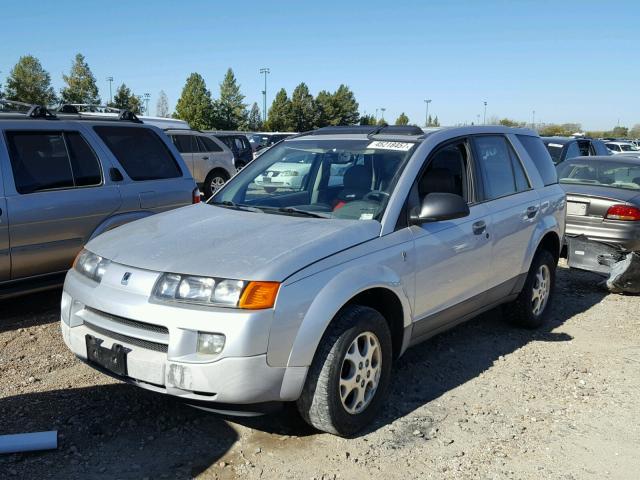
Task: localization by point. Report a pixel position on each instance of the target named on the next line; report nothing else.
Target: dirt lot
(481, 401)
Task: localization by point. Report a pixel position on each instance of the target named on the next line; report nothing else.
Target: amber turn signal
(259, 295)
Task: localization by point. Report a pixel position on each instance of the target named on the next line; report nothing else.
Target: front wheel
(214, 181)
(348, 378)
(531, 308)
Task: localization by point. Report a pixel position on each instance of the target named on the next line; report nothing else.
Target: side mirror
(439, 206)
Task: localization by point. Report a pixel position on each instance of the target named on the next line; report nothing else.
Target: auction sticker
(399, 146)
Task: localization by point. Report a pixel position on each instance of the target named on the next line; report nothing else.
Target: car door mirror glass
(436, 207)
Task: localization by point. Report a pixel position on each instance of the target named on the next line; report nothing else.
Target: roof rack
(27, 109)
(369, 130)
(90, 110)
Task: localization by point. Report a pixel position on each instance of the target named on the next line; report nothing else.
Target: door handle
(531, 211)
(205, 158)
(479, 227)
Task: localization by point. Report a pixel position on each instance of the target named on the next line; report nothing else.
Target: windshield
(627, 147)
(348, 179)
(603, 173)
(555, 150)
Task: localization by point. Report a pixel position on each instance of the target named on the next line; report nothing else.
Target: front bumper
(161, 342)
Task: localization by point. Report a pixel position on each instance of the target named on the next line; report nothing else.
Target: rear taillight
(623, 212)
(196, 196)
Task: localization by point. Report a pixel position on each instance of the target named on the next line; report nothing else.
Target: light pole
(264, 71)
(533, 119)
(110, 80)
(382, 109)
(426, 115)
(147, 96)
(376, 117)
(485, 113)
(478, 116)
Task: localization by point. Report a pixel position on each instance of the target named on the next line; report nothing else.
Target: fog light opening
(210, 343)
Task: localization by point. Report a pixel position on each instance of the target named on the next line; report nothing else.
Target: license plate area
(113, 359)
(576, 208)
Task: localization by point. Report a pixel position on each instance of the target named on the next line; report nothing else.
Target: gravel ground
(482, 401)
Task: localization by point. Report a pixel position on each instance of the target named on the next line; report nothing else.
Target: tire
(530, 310)
(270, 189)
(214, 181)
(321, 403)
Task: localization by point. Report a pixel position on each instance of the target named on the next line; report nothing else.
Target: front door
(5, 258)
(452, 256)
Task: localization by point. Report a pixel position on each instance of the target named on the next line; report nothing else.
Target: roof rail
(87, 108)
(370, 130)
(28, 109)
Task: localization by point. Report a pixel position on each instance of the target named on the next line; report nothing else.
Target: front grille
(157, 347)
(131, 323)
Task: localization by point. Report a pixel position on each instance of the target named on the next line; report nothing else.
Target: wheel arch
(118, 220)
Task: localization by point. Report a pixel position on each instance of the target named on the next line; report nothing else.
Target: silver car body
(41, 232)
(202, 160)
(433, 276)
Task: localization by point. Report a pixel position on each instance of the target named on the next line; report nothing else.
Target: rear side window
(142, 154)
(502, 172)
(208, 145)
(185, 143)
(573, 151)
(541, 158)
(51, 160)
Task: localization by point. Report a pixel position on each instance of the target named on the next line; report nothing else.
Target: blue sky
(570, 61)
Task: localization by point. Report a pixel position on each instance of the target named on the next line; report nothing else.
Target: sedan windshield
(348, 179)
(603, 173)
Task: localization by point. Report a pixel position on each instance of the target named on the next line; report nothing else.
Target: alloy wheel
(541, 289)
(360, 373)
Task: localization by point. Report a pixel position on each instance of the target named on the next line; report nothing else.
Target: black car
(261, 141)
(564, 148)
(239, 145)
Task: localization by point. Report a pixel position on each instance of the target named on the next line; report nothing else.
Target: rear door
(154, 179)
(186, 145)
(5, 258)
(56, 197)
(515, 209)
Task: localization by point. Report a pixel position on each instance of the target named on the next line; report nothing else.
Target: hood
(620, 194)
(214, 241)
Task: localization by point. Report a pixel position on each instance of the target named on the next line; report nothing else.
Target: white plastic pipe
(28, 442)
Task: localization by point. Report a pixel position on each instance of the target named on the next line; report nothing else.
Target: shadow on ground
(30, 310)
(113, 431)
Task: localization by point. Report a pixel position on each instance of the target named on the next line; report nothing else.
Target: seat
(356, 184)
(437, 180)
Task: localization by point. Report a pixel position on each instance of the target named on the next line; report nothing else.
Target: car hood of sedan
(213, 241)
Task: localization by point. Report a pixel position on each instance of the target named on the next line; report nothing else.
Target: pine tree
(325, 109)
(436, 123)
(429, 121)
(124, 99)
(402, 119)
(230, 111)
(345, 107)
(254, 121)
(279, 119)
(303, 109)
(81, 84)
(367, 120)
(162, 106)
(29, 82)
(195, 104)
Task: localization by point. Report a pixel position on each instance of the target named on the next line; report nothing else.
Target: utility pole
(110, 80)
(376, 117)
(264, 71)
(485, 113)
(426, 115)
(533, 119)
(147, 96)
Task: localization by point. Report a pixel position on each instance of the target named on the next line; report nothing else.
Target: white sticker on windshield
(366, 216)
(400, 146)
(557, 145)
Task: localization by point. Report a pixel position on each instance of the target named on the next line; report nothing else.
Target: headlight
(290, 173)
(91, 265)
(215, 291)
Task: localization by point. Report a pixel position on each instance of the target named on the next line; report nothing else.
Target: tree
(382, 121)
(402, 119)
(124, 99)
(195, 104)
(303, 109)
(81, 84)
(507, 122)
(564, 130)
(29, 82)
(367, 120)
(436, 122)
(620, 132)
(162, 106)
(254, 121)
(279, 118)
(633, 133)
(230, 111)
(325, 108)
(337, 108)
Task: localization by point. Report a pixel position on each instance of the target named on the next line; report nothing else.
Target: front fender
(117, 220)
(315, 301)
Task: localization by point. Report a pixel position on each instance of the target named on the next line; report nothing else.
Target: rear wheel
(348, 378)
(531, 308)
(270, 189)
(214, 181)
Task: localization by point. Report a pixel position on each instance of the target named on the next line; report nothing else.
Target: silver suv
(65, 180)
(308, 293)
(210, 161)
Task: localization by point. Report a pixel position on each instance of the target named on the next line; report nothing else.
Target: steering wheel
(376, 195)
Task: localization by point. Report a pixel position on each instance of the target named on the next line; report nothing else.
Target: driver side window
(446, 172)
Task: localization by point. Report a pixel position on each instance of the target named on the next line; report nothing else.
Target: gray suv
(211, 162)
(64, 180)
(308, 293)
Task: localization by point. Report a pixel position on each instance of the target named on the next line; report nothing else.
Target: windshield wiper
(237, 206)
(297, 211)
